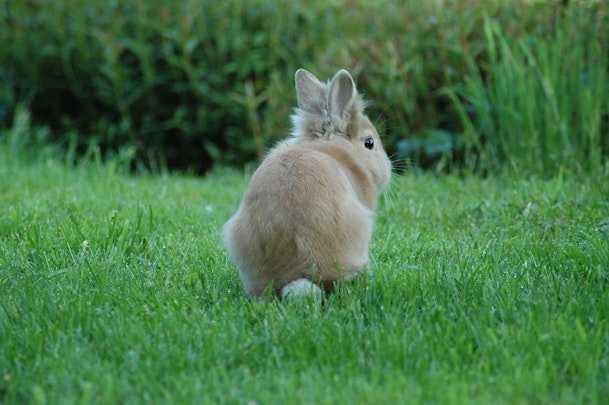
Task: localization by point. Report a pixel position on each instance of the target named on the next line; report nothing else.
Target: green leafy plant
(540, 103)
(191, 84)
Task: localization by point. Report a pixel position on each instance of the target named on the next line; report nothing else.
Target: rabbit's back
(301, 217)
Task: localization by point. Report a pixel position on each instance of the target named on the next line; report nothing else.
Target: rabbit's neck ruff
(307, 125)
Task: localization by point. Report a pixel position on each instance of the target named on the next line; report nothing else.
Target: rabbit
(307, 216)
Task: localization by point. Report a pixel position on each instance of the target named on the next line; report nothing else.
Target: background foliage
(194, 83)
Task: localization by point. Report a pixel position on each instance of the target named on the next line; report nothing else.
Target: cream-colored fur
(308, 212)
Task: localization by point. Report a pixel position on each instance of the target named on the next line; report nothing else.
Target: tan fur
(309, 209)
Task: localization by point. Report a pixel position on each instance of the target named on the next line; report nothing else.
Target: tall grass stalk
(540, 105)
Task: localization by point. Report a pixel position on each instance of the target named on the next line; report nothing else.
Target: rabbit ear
(310, 92)
(341, 95)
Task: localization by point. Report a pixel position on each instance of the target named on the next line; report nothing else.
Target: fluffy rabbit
(307, 216)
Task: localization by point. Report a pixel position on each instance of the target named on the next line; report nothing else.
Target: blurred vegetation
(198, 83)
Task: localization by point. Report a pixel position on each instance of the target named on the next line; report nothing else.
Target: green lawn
(115, 288)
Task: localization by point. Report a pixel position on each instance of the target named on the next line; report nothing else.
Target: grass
(115, 289)
(539, 104)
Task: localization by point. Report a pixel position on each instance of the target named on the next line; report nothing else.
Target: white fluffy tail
(301, 287)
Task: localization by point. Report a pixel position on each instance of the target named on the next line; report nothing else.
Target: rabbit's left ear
(310, 92)
(341, 95)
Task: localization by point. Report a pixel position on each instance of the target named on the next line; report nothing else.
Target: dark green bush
(198, 83)
(189, 81)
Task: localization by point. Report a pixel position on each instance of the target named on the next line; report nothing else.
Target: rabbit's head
(334, 111)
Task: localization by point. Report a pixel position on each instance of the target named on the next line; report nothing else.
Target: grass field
(115, 289)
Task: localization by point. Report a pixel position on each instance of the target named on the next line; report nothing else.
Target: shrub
(189, 80)
(198, 83)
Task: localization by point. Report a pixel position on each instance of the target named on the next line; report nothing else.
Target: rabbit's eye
(369, 143)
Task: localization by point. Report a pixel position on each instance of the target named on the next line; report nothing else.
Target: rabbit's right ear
(310, 92)
(342, 94)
